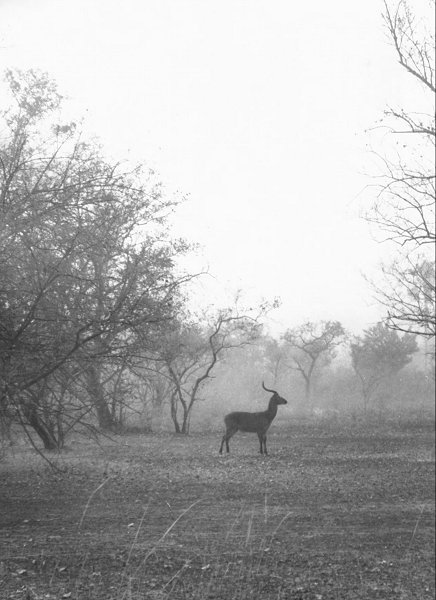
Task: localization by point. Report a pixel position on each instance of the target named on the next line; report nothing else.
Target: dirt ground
(329, 514)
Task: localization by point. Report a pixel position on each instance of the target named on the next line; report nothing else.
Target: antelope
(256, 422)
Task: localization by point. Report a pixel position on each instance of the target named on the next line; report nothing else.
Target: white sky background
(255, 109)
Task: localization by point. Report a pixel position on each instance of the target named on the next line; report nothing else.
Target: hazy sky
(255, 109)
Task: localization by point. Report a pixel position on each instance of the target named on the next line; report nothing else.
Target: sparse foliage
(408, 293)
(194, 348)
(312, 345)
(405, 205)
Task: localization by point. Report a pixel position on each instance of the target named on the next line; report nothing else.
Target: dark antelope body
(257, 422)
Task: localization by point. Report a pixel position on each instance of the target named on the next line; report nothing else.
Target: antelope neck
(272, 409)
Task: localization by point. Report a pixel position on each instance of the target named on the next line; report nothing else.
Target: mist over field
(217, 300)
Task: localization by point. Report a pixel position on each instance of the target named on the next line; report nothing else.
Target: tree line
(328, 374)
(93, 303)
(91, 297)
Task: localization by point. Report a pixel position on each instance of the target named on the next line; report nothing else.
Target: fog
(263, 129)
(257, 114)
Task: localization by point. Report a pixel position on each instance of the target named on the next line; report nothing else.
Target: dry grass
(328, 515)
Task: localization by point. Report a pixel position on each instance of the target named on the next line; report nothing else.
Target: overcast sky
(256, 110)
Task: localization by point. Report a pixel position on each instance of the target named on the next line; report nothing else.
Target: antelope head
(277, 399)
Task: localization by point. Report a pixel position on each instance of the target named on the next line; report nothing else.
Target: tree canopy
(85, 259)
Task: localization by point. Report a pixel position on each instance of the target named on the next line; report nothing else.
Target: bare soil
(330, 514)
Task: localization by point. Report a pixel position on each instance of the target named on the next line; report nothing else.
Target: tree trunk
(182, 427)
(173, 404)
(185, 423)
(308, 395)
(30, 412)
(105, 419)
(5, 419)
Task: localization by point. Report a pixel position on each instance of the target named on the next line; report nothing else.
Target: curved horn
(267, 390)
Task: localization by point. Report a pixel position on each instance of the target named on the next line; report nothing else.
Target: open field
(329, 514)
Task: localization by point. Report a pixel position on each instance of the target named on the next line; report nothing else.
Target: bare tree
(312, 345)
(194, 349)
(408, 293)
(405, 205)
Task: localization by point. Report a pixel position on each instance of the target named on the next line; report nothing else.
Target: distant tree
(405, 205)
(312, 345)
(193, 350)
(274, 352)
(85, 260)
(379, 355)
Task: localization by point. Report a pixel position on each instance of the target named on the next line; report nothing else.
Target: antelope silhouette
(254, 422)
